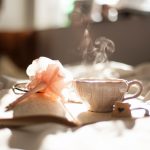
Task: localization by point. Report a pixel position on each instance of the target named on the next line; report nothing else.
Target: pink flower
(50, 72)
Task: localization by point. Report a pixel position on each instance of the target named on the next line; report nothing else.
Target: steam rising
(97, 51)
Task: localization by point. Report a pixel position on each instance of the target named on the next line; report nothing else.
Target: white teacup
(100, 95)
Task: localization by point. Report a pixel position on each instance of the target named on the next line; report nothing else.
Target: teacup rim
(98, 80)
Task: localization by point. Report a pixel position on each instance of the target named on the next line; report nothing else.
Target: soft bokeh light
(109, 2)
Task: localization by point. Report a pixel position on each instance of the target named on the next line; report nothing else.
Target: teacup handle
(139, 91)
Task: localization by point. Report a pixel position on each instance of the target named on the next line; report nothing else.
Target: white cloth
(107, 134)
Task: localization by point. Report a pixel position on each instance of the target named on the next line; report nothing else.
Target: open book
(70, 114)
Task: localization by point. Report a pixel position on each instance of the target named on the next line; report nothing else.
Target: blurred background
(54, 28)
